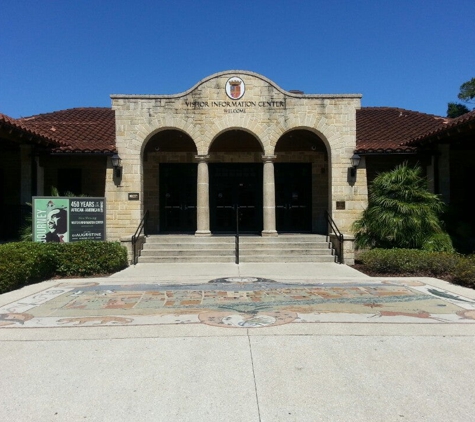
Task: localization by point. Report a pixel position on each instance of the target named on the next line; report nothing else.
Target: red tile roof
(35, 135)
(378, 129)
(384, 129)
(90, 130)
(431, 136)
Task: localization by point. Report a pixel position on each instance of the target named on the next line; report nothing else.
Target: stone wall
(205, 112)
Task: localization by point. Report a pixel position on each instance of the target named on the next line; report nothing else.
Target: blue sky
(75, 53)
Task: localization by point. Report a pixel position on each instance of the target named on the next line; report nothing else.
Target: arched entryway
(301, 182)
(235, 183)
(170, 182)
(237, 175)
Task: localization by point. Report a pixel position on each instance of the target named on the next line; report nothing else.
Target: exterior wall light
(355, 162)
(116, 160)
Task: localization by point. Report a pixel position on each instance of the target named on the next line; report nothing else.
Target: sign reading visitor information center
(68, 219)
(235, 89)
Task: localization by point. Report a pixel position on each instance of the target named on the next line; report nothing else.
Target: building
(234, 138)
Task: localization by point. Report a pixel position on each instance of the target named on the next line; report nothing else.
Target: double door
(178, 198)
(235, 197)
(293, 197)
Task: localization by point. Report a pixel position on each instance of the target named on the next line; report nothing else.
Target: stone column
(269, 196)
(202, 203)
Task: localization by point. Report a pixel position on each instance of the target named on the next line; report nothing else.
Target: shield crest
(235, 88)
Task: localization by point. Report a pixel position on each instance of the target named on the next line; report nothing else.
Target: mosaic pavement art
(237, 302)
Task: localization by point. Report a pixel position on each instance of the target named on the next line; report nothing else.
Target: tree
(401, 212)
(467, 91)
(456, 110)
(466, 94)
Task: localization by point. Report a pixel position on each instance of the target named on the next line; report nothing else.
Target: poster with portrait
(68, 219)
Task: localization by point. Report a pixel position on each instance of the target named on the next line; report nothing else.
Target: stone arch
(152, 133)
(164, 146)
(302, 173)
(169, 140)
(227, 123)
(243, 140)
(319, 136)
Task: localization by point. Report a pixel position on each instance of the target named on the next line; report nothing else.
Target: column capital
(202, 158)
(269, 158)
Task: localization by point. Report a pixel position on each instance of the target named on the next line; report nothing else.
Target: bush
(401, 212)
(448, 266)
(409, 261)
(91, 257)
(464, 273)
(29, 262)
(440, 242)
(21, 263)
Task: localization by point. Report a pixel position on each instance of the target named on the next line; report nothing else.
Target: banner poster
(68, 219)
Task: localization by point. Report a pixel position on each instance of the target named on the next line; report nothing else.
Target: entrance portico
(235, 138)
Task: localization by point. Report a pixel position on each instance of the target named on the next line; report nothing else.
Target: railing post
(338, 236)
(136, 235)
(133, 249)
(237, 234)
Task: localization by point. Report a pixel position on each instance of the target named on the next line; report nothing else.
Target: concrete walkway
(265, 342)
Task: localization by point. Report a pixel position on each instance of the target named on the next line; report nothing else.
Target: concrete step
(287, 258)
(242, 259)
(285, 238)
(284, 246)
(282, 252)
(230, 246)
(187, 252)
(188, 239)
(211, 249)
(191, 259)
(191, 246)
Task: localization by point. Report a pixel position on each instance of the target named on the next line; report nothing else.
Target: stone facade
(205, 113)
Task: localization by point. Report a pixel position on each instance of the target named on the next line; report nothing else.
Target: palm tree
(401, 212)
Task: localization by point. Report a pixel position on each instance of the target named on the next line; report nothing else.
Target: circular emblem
(235, 88)
(241, 280)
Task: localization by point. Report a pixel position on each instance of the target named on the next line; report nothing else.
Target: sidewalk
(292, 358)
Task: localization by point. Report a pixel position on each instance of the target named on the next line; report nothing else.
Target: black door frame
(178, 197)
(293, 197)
(231, 185)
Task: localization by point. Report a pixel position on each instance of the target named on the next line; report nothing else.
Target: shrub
(464, 272)
(440, 242)
(28, 262)
(91, 257)
(409, 261)
(401, 212)
(21, 263)
(453, 267)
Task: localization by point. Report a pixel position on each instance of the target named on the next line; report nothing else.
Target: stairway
(215, 249)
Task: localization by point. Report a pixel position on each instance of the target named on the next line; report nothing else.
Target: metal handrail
(142, 227)
(332, 227)
(237, 235)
